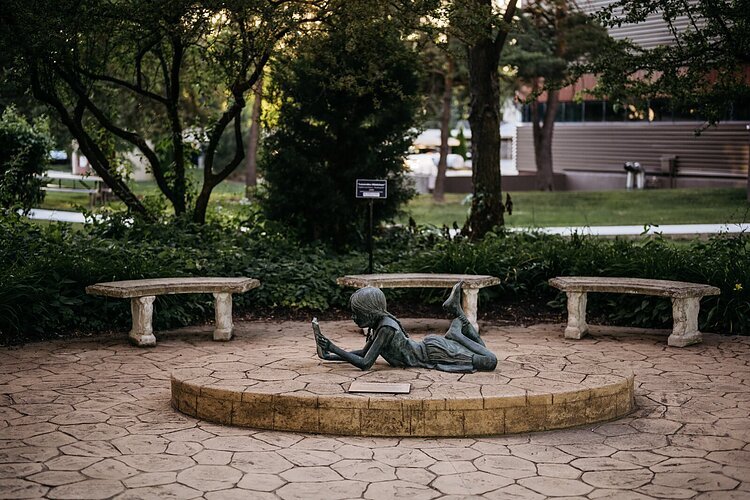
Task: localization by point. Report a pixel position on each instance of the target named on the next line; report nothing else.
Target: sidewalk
(670, 229)
(667, 229)
(56, 215)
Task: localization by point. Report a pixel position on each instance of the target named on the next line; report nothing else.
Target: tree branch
(238, 89)
(173, 104)
(239, 152)
(502, 35)
(130, 137)
(88, 146)
(122, 83)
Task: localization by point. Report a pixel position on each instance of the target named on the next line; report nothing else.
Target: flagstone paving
(91, 418)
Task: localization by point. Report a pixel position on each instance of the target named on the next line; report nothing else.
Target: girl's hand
(322, 344)
(322, 341)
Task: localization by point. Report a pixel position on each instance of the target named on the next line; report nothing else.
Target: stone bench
(469, 298)
(685, 302)
(143, 292)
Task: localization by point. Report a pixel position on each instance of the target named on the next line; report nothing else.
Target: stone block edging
(393, 416)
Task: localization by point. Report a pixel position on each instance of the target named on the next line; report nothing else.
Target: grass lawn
(531, 208)
(226, 193)
(598, 208)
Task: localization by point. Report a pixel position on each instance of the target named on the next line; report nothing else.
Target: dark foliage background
(24, 150)
(347, 100)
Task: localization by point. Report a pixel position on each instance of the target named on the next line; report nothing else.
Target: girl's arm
(371, 351)
(323, 345)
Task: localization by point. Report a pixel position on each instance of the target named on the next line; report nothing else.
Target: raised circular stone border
(508, 411)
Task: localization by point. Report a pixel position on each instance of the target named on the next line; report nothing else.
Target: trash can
(669, 168)
(636, 175)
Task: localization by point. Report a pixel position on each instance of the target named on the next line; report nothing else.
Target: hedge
(45, 269)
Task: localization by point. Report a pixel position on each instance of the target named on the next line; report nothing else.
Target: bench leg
(470, 305)
(224, 325)
(685, 317)
(142, 309)
(577, 326)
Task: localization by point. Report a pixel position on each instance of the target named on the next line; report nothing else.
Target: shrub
(525, 261)
(24, 150)
(347, 102)
(44, 271)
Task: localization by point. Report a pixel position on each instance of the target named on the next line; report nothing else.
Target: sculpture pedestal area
(284, 386)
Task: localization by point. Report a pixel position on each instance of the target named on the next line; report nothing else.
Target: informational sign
(373, 189)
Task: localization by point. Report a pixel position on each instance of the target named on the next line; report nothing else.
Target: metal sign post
(371, 190)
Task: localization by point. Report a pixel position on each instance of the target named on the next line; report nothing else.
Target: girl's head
(368, 305)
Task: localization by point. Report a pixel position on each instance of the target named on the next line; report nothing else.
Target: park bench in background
(66, 182)
(685, 302)
(143, 292)
(472, 283)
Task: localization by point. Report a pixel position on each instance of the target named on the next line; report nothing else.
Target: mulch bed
(517, 314)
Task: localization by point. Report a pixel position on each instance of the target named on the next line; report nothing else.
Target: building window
(593, 111)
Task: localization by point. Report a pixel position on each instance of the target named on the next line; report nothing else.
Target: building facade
(593, 138)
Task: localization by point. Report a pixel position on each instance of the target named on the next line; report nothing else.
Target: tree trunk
(445, 124)
(251, 174)
(179, 183)
(201, 201)
(484, 117)
(545, 178)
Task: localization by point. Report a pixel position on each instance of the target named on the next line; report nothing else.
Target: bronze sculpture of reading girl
(461, 349)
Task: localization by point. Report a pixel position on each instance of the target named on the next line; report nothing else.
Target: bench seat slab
(417, 280)
(164, 286)
(660, 288)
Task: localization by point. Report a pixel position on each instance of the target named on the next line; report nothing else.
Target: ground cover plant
(525, 261)
(45, 269)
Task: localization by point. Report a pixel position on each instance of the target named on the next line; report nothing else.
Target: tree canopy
(164, 77)
(706, 68)
(552, 41)
(24, 149)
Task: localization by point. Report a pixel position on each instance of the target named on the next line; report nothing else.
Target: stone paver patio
(92, 419)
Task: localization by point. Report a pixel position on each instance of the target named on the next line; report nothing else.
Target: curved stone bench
(685, 302)
(469, 298)
(143, 292)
